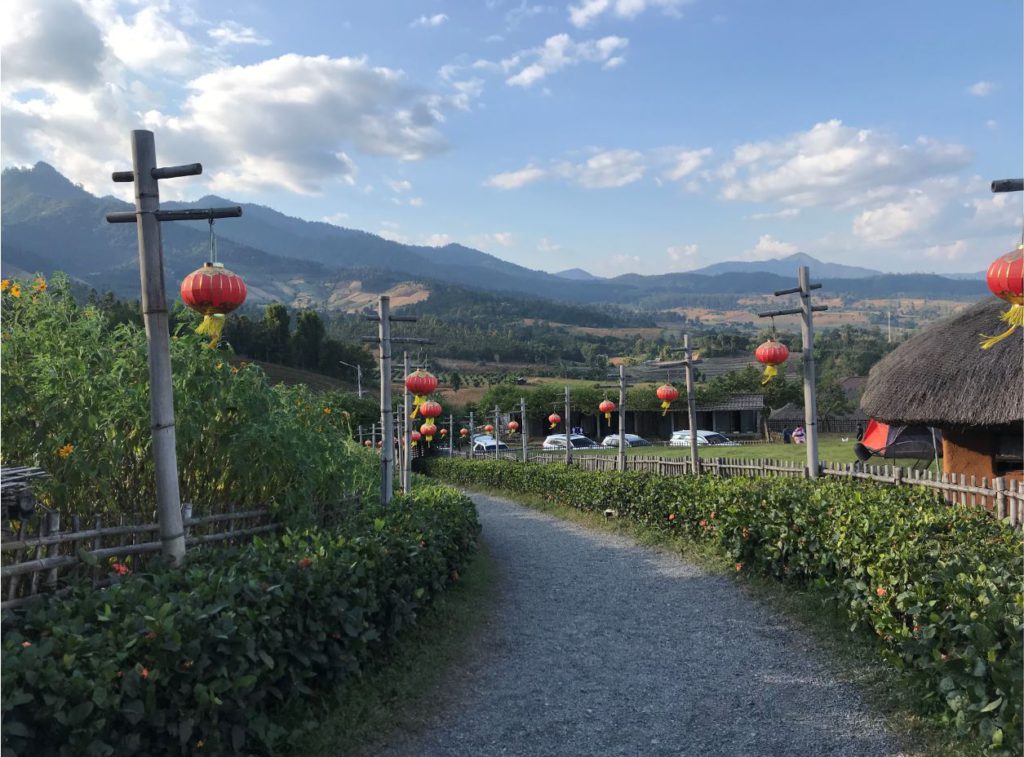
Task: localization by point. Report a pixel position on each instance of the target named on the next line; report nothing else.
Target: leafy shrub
(940, 586)
(198, 660)
(76, 402)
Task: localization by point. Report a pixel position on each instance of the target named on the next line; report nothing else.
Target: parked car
(704, 438)
(632, 440)
(579, 441)
(483, 443)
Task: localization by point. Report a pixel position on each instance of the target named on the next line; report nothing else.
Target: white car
(579, 441)
(632, 440)
(704, 438)
(483, 443)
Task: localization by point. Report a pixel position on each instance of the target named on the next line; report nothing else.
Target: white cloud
(336, 219)
(437, 240)
(546, 245)
(589, 11)
(682, 257)
(430, 21)
(617, 264)
(835, 165)
(416, 202)
(947, 252)
(149, 41)
(233, 33)
(615, 62)
(996, 212)
(50, 42)
(504, 238)
(981, 89)
(398, 185)
(992, 124)
(768, 247)
(515, 179)
(556, 53)
(784, 213)
(896, 219)
(685, 162)
(524, 12)
(606, 170)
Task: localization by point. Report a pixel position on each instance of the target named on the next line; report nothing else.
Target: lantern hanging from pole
(214, 291)
(415, 436)
(463, 432)
(771, 353)
(513, 426)
(607, 407)
(667, 394)
(444, 432)
(420, 383)
(1006, 280)
(430, 409)
(554, 419)
(367, 443)
(428, 430)
(489, 429)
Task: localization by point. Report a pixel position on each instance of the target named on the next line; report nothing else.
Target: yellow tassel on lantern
(1015, 317)
(608, 417)
(770, 372)
(665, 405)
(417, 400)
(212, 326)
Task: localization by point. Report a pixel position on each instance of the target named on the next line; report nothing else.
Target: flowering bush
(76, 402)
(940, 586)
(197, 661)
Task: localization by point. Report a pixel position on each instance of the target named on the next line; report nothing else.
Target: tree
(276, 323)
(455, 381)
(306, 341)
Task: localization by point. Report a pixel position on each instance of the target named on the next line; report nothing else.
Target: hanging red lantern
(428, 430)
(1006, 280)
(513, 426)
(367, 443)
(415, 436)
(214, 291)
(489, 428)
(380, 444)
(771, 353)
(554, 419)
(444, 432)
(667, 394)
(607, 407)
(430, 409)
(420, 383)
(463, 432)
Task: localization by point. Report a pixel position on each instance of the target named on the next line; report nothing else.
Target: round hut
(941, 377)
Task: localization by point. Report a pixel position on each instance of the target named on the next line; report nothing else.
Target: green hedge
(198, 660)
(940, 586)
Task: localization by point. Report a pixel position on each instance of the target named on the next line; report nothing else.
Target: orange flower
(219, 366)
(327, 411)
(15, 290)
(739, 567)
(703, 523)
(305, 562)
(671, 516)
(65, 452)
(200, 744)
(713, 515)
(40, 284)
(880, 591)
(234, 370)
(5, 285)
(120, 568)
(746, 533)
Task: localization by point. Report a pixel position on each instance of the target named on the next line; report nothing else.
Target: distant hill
(577, 274)
(787, 267)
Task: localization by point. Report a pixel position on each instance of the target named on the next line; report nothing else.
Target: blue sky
(614, 135)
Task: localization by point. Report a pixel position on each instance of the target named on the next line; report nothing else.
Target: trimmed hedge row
(940, 586)
(197, 661)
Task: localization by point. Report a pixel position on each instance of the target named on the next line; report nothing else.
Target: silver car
(632, 440)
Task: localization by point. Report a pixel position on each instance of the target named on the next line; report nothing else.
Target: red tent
(891, 442)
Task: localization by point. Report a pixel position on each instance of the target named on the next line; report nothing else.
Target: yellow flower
(40, 284)
(327, 411)
(219, 366)
(5, 285)
(65, 451)
(234, 370)
(15, 290)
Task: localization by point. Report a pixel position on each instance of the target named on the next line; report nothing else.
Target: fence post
(1000, 497)
(186, 513)
(898, 474)
(54, 522)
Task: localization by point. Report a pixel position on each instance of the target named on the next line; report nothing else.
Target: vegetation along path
(603, 647)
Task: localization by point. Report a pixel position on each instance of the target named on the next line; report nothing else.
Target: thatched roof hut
(941, 377)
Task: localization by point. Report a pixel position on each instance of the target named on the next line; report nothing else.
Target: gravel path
(602, 647)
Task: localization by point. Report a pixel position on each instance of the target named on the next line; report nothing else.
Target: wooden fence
(38, 555)
(1001, 496)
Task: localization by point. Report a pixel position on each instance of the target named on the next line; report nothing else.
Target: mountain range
(49, 224)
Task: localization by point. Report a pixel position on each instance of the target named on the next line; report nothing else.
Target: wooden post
(622, 418)
(387, 456)
(568, 429)
(497, 432)
(53, 520)
(522, 417)
(451, 435)
(154, 311)
(810, 399)
(691, 406)
(407, 431)
(472, 450)
(1000, 486)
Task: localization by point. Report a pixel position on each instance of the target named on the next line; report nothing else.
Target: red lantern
(513, 426)
(430, 409)
(771, 353)
(554, 419)
(489, 428)
(1006, 280)
(420, 383)
(415, 436)
(380, 444)
(667, 394)
(463, 432)
(367, 443)
(428, 430)
(444, 432)
(607, 407)
(214, 291)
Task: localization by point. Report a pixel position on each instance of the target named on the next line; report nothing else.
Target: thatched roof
(942, 377)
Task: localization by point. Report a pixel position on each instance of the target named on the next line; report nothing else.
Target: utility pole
(568, 429)
(472, 443)
(147, 217)
(691, 405)
(622, 418)
(359, 377)
(451, 435)
(407, 429)
(387, 421)
(888, 314)
(806, 312)
(523, 429)
(497, 431)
